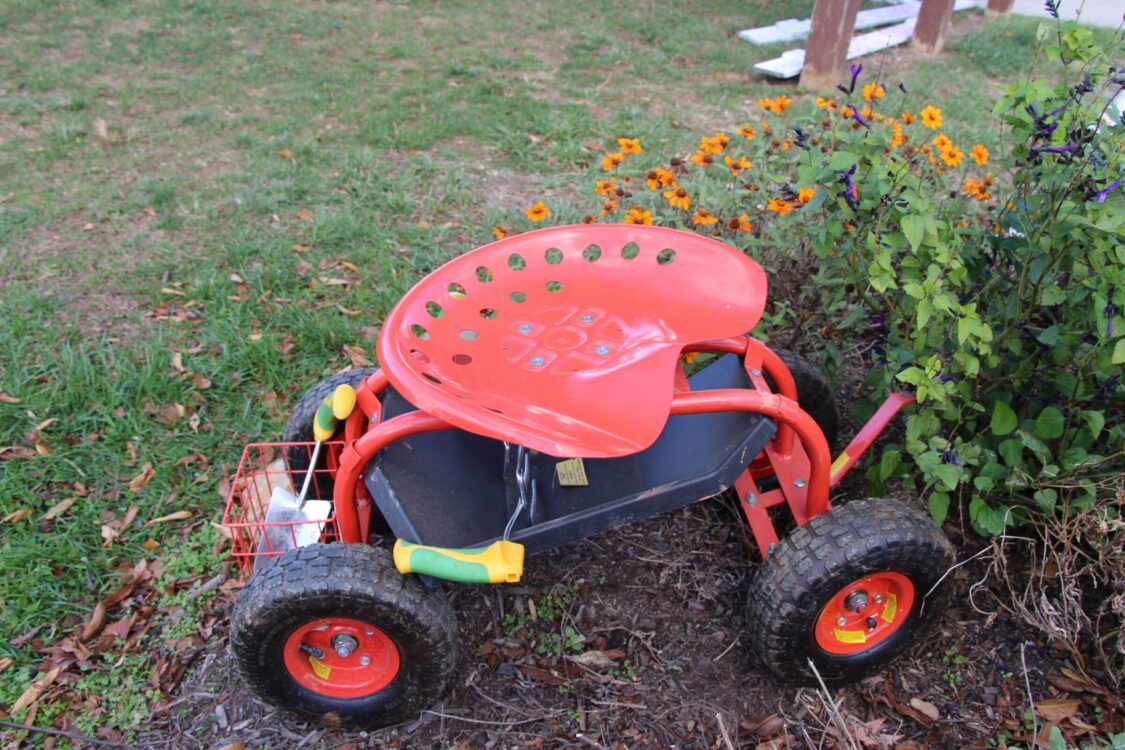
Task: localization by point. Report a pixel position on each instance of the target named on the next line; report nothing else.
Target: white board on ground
(790, 64)
(794, 28)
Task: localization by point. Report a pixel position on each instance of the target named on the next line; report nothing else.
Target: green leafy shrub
(991, 285)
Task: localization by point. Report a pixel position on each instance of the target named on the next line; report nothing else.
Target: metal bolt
(344, 645)
(755, 371)
(770, 550)
(871, 623)
(841, 621)
(878, 598)
(368, 631)
(587, 318)
(525, 328)
(537, 361)
(799, 483)
(365, 660)
(752, 498)
(601, 350)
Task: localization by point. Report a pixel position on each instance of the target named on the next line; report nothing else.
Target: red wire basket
(262, 468)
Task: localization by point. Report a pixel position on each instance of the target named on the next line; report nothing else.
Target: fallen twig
(72, 736)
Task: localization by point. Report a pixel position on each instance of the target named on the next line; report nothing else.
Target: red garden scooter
(532, 393)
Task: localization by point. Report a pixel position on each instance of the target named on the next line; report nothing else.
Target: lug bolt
(841, 621)
(365, 660)
(752, 498)
(878, 598)
(799, 483)
(871, 623)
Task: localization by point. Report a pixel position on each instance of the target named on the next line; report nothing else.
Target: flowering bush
(991, 285)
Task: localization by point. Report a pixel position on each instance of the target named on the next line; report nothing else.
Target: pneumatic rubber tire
(863, 540)
(299, 428)
(344, 583)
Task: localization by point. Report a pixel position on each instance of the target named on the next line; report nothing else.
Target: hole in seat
(553, 256)
(488, 313)
(554, 286)
(434, 309)
(591, 253)
(517, 297)
(462, 359)
(484, 275)
(456, 291)
(666, 256)
(420, 332)
(630, 251)
(431, 378)
(469, 335)
(516, 262)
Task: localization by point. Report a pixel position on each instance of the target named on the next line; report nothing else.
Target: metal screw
(841, 621)
(368, 631)
(601, 350)
(365, 660)
(878, 598)
(525, 328)
(587, 318)
(537, 361)
(752, 498)
(344, 645)
(799, 483)
(770, 550)
(755, 371)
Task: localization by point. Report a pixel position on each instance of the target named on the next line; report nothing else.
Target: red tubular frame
(798, 454)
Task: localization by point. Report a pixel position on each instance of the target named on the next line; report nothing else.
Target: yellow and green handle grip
(499, 562)
(333, 410)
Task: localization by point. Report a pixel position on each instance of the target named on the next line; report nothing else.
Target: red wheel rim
(864, 613)
(341, 658)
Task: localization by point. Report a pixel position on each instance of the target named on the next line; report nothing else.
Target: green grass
(156, 152)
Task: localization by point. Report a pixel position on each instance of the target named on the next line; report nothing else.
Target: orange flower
(952, 156)
(604, 187)
(629, 145)
(658, 178)
(538, 211)
(702, 158)
(747, 132)
(942, 142)
(703, 216)
(500, 232)
(715, 144)
(779, 206)
(678, 197)
(804, 195)
(827, 104)
(979, 154)
(638, 215)
(741, 223)
(608, 207)
(873, 91)
(737, 165)
(867, 112)
(898, 138)
(787, 145)
(908, 118)
(931, 117)
(776, 105)
(612, 161)
(766, 128)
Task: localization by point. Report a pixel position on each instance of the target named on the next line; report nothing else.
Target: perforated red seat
(565, 340)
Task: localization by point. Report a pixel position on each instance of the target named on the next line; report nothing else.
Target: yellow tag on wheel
(890, 608)
(850, 636)
(571, 473)
(321, 669)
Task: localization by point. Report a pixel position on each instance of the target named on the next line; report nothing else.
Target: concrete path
(1094, 12)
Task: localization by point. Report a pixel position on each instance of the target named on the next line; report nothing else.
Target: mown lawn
(207, 206)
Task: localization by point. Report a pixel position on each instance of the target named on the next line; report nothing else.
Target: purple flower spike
(1100, 195)
(855, 70)
(1059, 149)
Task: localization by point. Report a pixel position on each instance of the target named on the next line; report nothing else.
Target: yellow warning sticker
(850, 636)
(839, 464)
(571, 473)
(890, 609)
(322, 670)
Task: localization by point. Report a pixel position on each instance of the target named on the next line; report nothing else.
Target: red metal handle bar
(786, 412)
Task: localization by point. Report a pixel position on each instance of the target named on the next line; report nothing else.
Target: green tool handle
(333, 410)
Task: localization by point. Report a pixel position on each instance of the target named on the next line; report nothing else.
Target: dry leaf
(101, 129)
(284, 153)
(305, 215)
(95, 623)
(137, 483)
(200, 381)
(59, 508)
(15, 451)
(5, 663)
(232, 746)
(334, 281)
(17, 515)
(179, 515)
(34, 690)
(1057, 709)
(350, 266)
(349, 313)
(46, 423)
(237, 279)
(6, 399)
(150, 544)
(130, 514)
(356, 355)
(177, 362)
(108, 534)
(42, 448)
(929, 709)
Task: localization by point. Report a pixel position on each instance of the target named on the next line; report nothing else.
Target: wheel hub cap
(341, 657)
